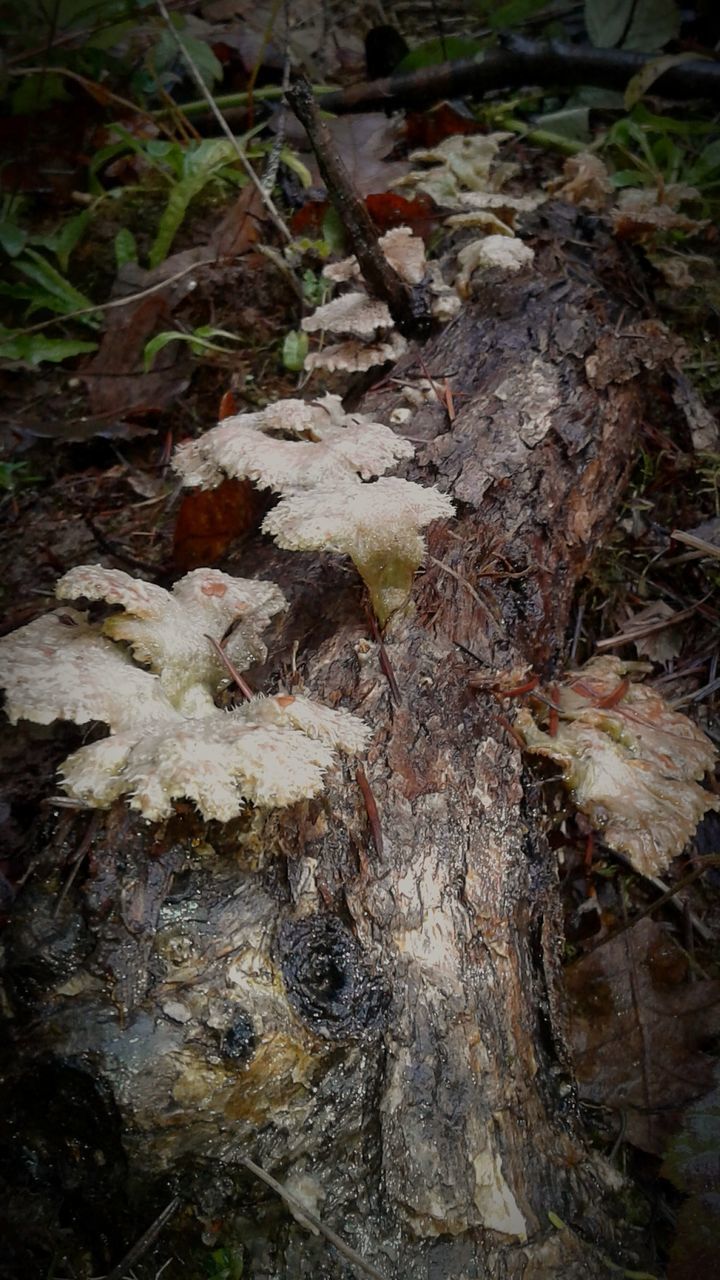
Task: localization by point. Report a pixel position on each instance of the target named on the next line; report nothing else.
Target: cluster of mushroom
(152, 673)
(319, 458)
(463, 175)
(363, 323)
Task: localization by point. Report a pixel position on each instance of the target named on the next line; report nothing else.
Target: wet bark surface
(375, 1022)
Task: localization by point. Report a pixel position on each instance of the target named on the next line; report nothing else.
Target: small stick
(312, 1220)
(146, 1239)
(371, 810)
(231, 669)
(385, 664)
(408, 307)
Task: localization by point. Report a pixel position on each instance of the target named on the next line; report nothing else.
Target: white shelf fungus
(378, 525)
(264, 752)
(168, 630)
(293, 444)
(168, 738)
(464, 162)
(633, 765)
(365, 323)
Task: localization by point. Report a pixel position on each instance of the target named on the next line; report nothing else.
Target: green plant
(200, 340)
(225, 1264)
(15, 476)
(185, 170)
(659, 150)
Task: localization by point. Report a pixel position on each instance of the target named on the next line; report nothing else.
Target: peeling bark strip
(381, 1034)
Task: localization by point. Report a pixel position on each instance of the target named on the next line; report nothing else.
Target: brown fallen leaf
(637, 1031)
(209, 520)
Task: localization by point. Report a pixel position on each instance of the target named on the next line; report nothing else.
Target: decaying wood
(375, 1021)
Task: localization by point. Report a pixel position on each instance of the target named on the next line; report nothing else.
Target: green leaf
(515, 13)
(173, 217)
(35, 348)
(64, 238)
(646, 25)
(125, 247)
(12, 237)
(571, 122)
(434, 52)
(295, 164)
(647, 75)
(208, 65)
(199, 341)
(36, 93)
(294, 350)
(333, 231)
(66, 296)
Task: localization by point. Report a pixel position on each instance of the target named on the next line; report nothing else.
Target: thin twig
(385, 663)
(118, 302)
(91, 87)
(231, 669)
(266, 198)
(698, 544)
(712, 860)
(146, 1239)
(80, 852)
(312, 1219)
(408, 307)
(371, 809)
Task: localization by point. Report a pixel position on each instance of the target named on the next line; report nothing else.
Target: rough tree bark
(375, 1021)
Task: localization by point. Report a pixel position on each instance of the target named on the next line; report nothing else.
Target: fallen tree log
(367, 1006)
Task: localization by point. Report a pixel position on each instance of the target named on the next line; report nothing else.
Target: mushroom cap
(270, 751)
(168, 630)
(356, 520)
(404, 251)
(355, 356)
(354, 314)
(59, 667)
(330, 446)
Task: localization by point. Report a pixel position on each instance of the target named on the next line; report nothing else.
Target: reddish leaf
(386, 210)
(210, 519)
(390, 210)
(427, 128)
(308, 220)
(228, 406)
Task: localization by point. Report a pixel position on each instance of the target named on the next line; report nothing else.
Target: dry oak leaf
(585, 181)
(637, 1031)
(632, 766)
(641, 213)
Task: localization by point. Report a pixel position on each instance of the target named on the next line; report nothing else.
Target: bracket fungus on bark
(364, 323)
(292, 444)
(168, 738)
(324, 504)
(378, 525)
(632, 763)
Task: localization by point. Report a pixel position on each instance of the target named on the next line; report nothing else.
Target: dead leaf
(641, 213)
(585, 181)
(660, 645)
(637, 1030)
(209, 520)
